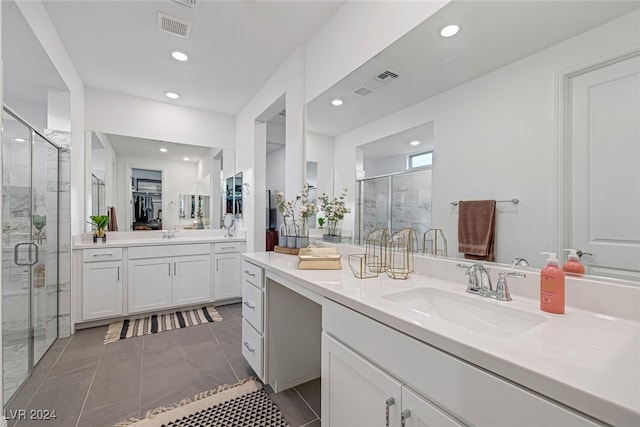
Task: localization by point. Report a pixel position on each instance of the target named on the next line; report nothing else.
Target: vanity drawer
(169, 250)
(229, 247)
(102, 254)
(252, 348)
(252, 274)
(252, 304)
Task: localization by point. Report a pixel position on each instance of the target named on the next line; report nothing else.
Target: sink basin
(486, 317)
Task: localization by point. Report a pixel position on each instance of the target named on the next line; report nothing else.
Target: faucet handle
(502, 288)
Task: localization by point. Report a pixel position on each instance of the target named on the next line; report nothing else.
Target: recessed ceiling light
(337, 102)
(415, 143)
(19, 140)
(450, 30)
(164, 150)
(186, 159)
(172, 95)
(179, 56)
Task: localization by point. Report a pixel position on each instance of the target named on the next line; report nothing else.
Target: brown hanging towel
(113, 223)
(477, 229)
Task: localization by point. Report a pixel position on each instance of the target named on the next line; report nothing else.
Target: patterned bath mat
(244, 404)
(160, 322)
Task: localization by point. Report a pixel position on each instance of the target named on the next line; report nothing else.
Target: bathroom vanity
(423, 352)
(139, 272)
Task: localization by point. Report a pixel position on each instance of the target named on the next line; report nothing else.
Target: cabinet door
(227, 283)
(354, 392)
(418, 412)
(149, 284)
(101, 290)
(191, 279)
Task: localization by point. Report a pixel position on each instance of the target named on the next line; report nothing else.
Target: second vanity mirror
(495, 105)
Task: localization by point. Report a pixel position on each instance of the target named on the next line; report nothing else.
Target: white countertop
(587, 361)
(153, 238)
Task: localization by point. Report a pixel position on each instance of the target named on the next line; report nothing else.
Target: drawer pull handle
(251, 349)
(249, 304)
(99, 255)
(248, 273)
(390, 402)
(404, 415)
(228, 248)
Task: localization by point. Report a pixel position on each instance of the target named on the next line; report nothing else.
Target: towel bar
(514, 201)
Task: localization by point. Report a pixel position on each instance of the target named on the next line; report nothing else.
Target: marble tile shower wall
(17, 227)
(410, 203)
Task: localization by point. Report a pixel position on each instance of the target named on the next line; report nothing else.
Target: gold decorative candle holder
(376, 250)
(400, 247)
(359, 264)
(434, 242)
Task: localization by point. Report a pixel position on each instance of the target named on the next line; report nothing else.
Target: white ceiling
(398, 144)
(493, 34)
(150, 149)
(234, 46)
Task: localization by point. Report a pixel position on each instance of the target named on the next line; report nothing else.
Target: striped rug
(155, 323)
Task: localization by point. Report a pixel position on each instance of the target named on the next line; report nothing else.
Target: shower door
(29, 249)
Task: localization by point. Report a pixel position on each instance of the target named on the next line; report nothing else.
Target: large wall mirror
(506, 99)
(191, 180)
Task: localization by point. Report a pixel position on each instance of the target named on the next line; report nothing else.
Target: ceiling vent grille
(189, 3)
(173, 25)
(386, 76)
(363, 91)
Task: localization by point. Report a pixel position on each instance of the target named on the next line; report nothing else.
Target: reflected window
(420, 160)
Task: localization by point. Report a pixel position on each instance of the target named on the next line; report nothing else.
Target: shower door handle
(16, 253)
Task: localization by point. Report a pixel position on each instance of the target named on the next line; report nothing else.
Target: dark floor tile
(87, 338)
(236, 311)
(60, 342)
(74, 365)
(226, 315)
(207, 366)
(240, 366)
(294, 409)
(314, 423)
(196, 334)
(115, 381)
(311, 393)
(163, 383)
(127, 349)
(153, 359)
(161, 341)
(65, 399)
(107, 416)
(228, 334)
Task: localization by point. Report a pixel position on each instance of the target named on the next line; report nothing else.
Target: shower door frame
(31, 324)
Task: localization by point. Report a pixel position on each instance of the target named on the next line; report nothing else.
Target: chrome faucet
(520, 262)
(480, 282)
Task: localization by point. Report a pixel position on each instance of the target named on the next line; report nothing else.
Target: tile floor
(92, 384)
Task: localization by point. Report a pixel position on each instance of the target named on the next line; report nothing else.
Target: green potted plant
(100, 223)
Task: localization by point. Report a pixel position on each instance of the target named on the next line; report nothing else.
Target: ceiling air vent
(386, 76)
(189, 3)
(363, 91)
(173, 25)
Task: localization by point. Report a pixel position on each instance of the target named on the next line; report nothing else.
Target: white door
(604, 169)
(418, 412)
(227, 282)
(354, 392)
(149, 284)
(101, 290)
(191, 279)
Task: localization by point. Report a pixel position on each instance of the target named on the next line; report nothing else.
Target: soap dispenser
(573, 266)
(552, 286)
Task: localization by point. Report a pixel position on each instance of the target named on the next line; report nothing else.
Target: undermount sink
(487, 317)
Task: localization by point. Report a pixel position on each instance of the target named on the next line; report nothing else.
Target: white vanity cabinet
(227, 281)
(253, 310)
(102, 283)
(428, 386)
(165, 276)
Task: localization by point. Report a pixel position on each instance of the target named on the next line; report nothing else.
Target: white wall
(319, 148)
(393, 164)
(354, 34)
(119, 114)
(177, 177)
(495, 138)
(251, 139)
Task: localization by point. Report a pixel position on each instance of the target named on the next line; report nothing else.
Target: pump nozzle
(573, 254)
(553, 259)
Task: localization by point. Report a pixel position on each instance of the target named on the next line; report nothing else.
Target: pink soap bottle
(573, 266)
(552, 286)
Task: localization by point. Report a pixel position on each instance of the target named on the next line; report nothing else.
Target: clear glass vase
(333, 231)
(302, 233)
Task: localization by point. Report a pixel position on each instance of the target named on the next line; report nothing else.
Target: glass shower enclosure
(29, 249)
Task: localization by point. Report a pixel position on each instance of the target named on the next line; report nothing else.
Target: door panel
(605, 169)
